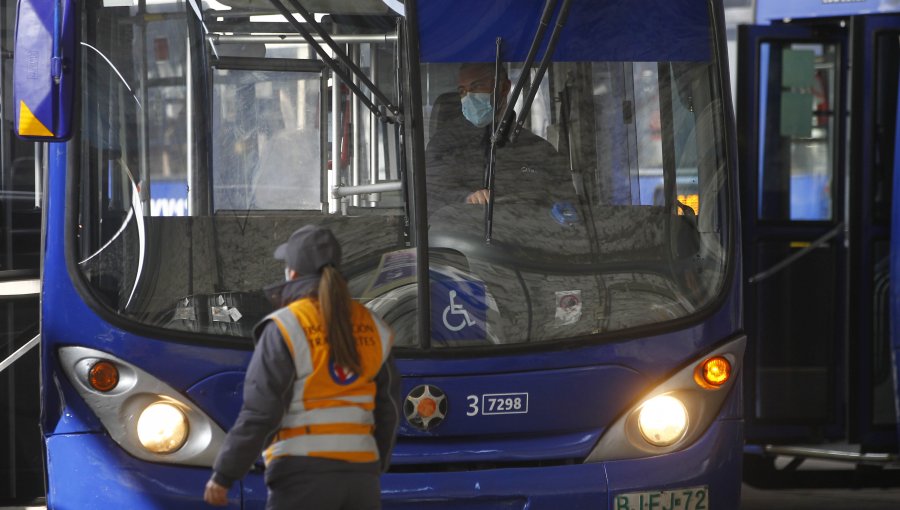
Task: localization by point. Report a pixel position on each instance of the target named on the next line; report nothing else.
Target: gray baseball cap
(309, 249)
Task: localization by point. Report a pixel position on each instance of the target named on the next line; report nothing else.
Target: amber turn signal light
(103, 376)
(713, 372)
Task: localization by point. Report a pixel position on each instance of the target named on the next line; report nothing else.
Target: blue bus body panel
(777, 10)
(573, 487)
(491, 447)
(90, 471)
(873, 233)
(220, 396)
(532, 435)
(895, 268)
(637, 30)
(540, 404)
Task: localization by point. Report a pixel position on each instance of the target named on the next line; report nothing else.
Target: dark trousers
(325, 491)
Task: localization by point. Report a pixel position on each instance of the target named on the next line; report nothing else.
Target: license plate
(693, 498)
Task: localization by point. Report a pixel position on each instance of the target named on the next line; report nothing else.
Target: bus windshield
(608, 207)
(211, 131)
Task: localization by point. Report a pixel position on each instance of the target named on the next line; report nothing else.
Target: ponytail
(334, 301)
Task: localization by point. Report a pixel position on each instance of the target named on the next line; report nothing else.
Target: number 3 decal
(473, 405)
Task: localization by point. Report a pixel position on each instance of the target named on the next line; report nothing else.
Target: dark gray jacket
(529, 170)
(267, 396)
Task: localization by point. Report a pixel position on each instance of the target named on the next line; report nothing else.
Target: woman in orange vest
(321, 392)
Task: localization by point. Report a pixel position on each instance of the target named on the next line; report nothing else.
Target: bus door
(876, 57)
(792, 199)
(895, 262)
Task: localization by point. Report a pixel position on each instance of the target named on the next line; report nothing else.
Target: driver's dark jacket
(455, 161)
(267, 396)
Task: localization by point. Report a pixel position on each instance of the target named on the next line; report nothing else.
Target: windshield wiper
(348, 64)
(489, 170)
(499, 134)
(545, 63)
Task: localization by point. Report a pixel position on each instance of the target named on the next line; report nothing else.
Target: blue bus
(817, 121)
(576, 342)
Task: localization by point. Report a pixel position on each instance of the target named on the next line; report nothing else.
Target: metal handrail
(21, 351)
(362, 189)
(296, 39)
(830, 454)
(29, 287)
(762, 275)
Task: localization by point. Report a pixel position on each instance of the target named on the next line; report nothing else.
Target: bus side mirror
(44, 69)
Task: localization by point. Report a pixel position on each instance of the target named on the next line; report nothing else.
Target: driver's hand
(478, 197)
(215, 494)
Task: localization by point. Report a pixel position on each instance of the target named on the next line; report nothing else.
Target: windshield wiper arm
(545, 63)
(506, 117)
(355, 71)
(489, 170)
(498, 130)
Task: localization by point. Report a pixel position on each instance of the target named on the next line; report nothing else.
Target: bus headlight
(662, 420)
(677, 411)
(145, 416)
(162, 428)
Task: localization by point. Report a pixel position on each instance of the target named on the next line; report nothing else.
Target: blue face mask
(477, 109)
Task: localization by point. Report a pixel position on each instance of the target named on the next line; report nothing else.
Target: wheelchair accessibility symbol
(458, 309)
(462, 316)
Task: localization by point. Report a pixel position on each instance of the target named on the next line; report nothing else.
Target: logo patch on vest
(341, 374)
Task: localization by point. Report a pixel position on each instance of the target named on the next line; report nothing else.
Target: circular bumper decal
(425, 407)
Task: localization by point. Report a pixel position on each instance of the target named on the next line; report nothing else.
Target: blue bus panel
(895, 261)
(594, 31)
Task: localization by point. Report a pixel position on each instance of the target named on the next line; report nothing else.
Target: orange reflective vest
(330, 415)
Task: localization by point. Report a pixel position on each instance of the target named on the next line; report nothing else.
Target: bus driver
(458, 151)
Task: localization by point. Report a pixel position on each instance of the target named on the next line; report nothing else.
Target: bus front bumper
(713, 463)
(90, 471)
